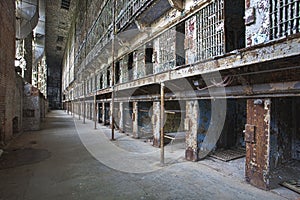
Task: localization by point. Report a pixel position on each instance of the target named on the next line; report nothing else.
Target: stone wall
(34, 108)
(7, 69)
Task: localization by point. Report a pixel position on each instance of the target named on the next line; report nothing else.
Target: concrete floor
(70, 160)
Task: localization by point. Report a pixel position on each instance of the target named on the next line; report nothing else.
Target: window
(284, 18)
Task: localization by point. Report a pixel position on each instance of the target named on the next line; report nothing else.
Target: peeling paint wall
(32, 108)
(121, 116)
(156, 123)
(135, 116)
(190, 40)
(257, 22)
(191, 125)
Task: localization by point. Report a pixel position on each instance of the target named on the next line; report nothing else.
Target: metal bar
(95, 112)
(84, 102)
(162, 107)
(113, 73)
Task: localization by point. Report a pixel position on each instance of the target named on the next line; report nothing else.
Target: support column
(73, 109)
(95, 112)
(121, 120)
(257, 138)
(103, 113)
(110, 113)
(135, 126)
(79, 110)
(68, 107)
(156, 123)
(191, 127)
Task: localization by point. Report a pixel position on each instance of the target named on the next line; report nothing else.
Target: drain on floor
(18, 157)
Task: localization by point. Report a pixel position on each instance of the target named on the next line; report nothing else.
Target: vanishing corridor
(54, 164)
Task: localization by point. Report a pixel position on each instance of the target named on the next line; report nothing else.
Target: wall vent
(65, 4)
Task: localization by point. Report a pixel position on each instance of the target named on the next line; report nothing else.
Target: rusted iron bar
(113, 73)
(162, 108)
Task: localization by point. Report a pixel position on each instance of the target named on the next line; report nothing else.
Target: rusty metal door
(257, 133)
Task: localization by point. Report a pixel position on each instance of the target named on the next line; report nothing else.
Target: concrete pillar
(121, 120)
(68, 107)
(110, 113)
(83, 112)
(191, 126)
(103, 113)
(135, 126)
(73, 109)
(79, 110)
(156, 123)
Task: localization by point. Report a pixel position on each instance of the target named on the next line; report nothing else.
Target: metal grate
(284, 18)
(167, 42)
(65, 4)
(210, 31)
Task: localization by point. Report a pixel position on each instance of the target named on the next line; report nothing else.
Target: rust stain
(257, 169)
(247, 3)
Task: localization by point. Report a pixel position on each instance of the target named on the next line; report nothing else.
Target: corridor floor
(71, 160)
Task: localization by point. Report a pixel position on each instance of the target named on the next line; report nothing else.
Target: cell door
(257, 136)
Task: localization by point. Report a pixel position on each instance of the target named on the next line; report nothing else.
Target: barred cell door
(257, 137)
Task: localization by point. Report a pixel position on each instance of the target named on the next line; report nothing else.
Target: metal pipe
(162, 112)
(84, 102)
(95, 112)
(113, 73)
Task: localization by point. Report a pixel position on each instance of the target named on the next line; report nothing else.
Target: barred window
(210, 31)
(284, 18)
